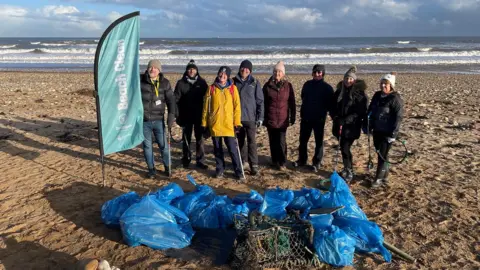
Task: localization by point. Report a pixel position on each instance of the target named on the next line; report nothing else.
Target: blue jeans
(158, 129)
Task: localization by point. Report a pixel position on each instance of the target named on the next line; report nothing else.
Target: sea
(369, 54)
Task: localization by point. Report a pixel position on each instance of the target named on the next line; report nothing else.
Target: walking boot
(254, 170)
(151, 173)
(201, 165)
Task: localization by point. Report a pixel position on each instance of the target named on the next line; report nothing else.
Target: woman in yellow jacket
(222, 116)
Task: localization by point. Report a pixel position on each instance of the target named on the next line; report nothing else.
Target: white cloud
(12, 11)
(289, 17)
(112, 16)
(460, 5)
(59, 10)
(388, 8)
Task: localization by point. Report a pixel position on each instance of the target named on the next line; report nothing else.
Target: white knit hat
(280, 66)
(390, 77)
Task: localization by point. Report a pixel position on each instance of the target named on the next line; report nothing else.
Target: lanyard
(156, 85)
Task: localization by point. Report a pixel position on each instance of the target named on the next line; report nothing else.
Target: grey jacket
(251, 98)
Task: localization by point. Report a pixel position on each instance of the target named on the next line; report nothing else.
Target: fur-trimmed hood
(357, 90)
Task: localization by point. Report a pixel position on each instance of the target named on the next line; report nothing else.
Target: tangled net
(264, 242)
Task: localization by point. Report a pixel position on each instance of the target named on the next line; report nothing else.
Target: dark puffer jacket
(152, 111)
(280, 110)
(350, 109)
(251, 98)
(386, 113)
(189, 99)
(316, 100)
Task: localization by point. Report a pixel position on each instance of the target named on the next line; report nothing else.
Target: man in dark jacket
(251, 98)
(348, 114)
(316, 102)
(156, 95)
(189, 93)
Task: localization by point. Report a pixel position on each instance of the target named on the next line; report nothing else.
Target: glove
(170, 120)
(206, 132)
(237, 129)
(390, 139)
(259, 123)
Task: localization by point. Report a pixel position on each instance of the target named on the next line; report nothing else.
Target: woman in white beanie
(385, 115)
(280, 112)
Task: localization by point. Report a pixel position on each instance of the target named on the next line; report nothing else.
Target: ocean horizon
(370, 54)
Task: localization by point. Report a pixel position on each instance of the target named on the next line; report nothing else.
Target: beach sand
(51, 194)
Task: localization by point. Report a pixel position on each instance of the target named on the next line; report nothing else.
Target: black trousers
(306, 128)
(199, 143)
(278, 145)
(248, 134)
(381, 145)
(345, 146)
(231, 143)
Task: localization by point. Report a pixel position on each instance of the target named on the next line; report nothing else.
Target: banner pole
(96, 82)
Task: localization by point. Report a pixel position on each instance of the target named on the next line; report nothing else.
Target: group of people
(231, 110)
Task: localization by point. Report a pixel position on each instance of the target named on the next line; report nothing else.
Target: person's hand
(237, 129)
(259, 123)
(206, 132)
(390, 139)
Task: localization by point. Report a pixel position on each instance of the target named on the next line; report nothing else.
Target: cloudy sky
(247, 18)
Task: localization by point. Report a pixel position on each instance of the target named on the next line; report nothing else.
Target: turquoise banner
(117, 81)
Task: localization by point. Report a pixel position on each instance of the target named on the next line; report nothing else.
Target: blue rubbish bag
(114, 209)
(253, 199)
(368, 235)
(321, 222)
(275, 203)
(169, 193)
(339, 195)
(300, 201)
(227, 211)
(334, 246)
(199, 198)
(206, 214)
(155, 224)
(306, 199)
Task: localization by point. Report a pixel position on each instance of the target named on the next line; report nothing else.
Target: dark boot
(349, 176)
(151, 173)
(201, 165)
(344, 173)
(254, 170)
(380, 175)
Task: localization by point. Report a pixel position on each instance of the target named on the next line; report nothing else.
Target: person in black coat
(348, 114)
(385, 114)
(189, 93)
(316, 103)
(157, 96)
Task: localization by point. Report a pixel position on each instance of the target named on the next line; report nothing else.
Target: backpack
(212, 89)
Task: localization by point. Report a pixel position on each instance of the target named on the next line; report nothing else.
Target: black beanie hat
(191, 64)
(246, 64)
(319, 67)
(225, 69)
